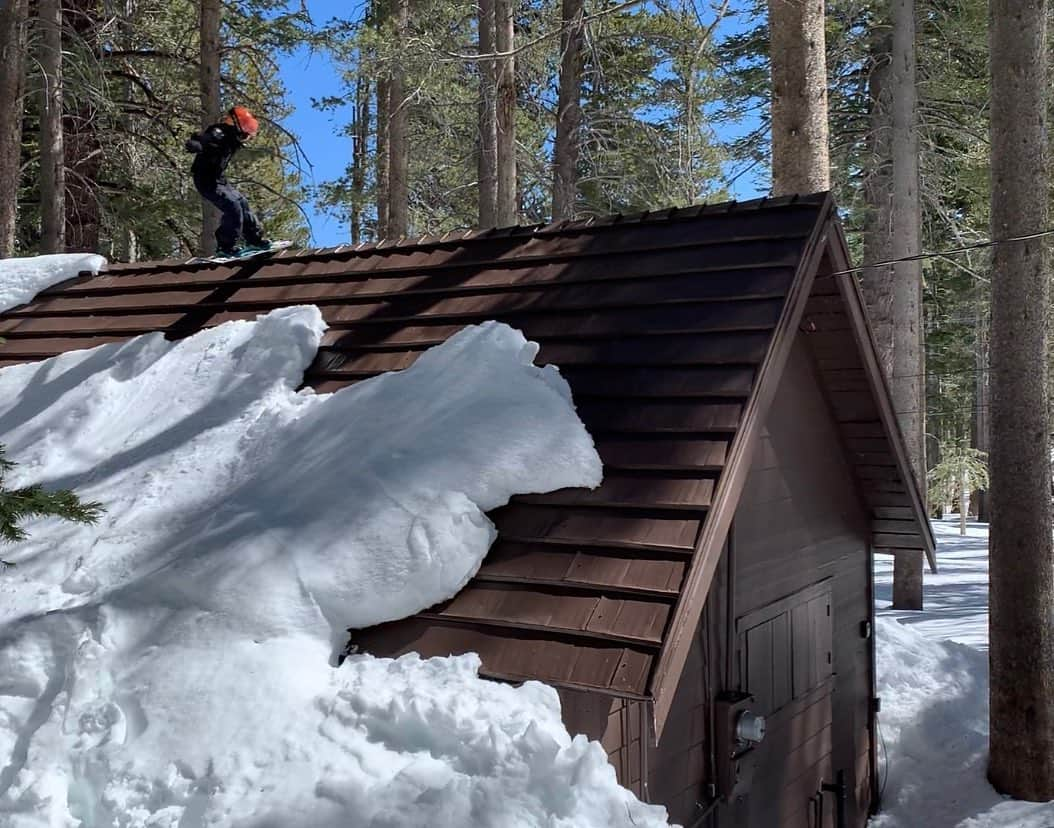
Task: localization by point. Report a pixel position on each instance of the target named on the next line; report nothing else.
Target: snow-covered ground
(173, 666)
(933, 682)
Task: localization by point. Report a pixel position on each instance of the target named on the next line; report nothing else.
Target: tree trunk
(508, 197)
(908, 360)
(908, 389)
(358, 156)
(876, 283)
(800, 160)
(127, 245)
(568, 113)
(488, 124)
(209, 90)
(398, 135)
(964, 502)
(381, 173)
(83, 149)
(894, 292)
(907, 579)
(52, 159)
(981, 403)
(13, 17)
(1021, 554)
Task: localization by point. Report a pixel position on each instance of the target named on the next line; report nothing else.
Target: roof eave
(854, 304)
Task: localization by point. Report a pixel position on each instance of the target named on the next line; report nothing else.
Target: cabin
(707, 612)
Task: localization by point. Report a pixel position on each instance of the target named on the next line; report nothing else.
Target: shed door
(785, 654)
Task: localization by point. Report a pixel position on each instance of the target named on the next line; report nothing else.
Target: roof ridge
(389, 244)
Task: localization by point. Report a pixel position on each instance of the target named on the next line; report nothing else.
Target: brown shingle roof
(671, 328)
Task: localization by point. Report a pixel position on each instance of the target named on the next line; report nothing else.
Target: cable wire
(918, 257)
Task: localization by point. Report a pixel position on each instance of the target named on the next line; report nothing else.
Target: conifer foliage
(18, 505)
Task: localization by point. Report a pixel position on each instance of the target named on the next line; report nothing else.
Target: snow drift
(933, 682)
(171, 666)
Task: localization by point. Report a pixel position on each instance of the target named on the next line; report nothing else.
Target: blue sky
(308, 76)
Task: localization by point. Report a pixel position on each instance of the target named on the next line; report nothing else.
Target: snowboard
(247, 253)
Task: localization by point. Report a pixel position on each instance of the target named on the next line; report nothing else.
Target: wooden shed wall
(680, 766)
(800, 521)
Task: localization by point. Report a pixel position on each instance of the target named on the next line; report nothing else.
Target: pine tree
(644, 141)
(17, 505)
(1021, 552)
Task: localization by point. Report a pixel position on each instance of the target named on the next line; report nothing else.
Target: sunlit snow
(173, 665)
(22, 279)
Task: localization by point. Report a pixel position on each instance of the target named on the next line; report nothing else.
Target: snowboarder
(213, 148)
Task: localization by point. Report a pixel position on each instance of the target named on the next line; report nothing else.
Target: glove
(193, 144)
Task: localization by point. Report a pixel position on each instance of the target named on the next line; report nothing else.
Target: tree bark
(488, 123)
(508, 196)
(908, 389)
(1021, 553)
(800, 157)
(398, 135)
(358, 156)
(894, 292)
(13, 22)
(980, 421)
(908, 356)
(568, 113)
(83, 150)
(907, 579)
(52, 159)
(382, 156)
(209, 91)
(876, 283)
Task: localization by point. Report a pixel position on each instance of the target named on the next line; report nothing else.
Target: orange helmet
(242, 118)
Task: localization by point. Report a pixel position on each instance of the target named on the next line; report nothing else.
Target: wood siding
(801, 529)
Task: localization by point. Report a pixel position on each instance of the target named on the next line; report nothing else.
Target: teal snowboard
(244, 253)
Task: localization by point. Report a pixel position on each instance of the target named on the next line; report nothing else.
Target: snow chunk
(227, 490)
(22, 279)
(171, 666)
(194, 724)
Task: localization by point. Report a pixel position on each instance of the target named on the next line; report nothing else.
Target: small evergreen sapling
(961, 470)
(17, 505)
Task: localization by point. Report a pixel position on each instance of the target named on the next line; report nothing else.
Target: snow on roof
(22, 279)
(173, 663)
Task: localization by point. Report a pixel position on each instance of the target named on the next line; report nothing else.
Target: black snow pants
(238, 219)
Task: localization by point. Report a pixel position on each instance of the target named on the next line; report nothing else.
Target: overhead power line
(918, 257)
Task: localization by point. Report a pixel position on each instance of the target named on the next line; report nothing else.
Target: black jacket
(214, 147)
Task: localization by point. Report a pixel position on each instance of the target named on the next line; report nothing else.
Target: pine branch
(19, 505)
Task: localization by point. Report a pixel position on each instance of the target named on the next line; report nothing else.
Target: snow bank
(22, 279)
(934, 691)
(171, 665)
(934, 721)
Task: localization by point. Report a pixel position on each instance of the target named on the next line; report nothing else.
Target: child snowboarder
(213, 148)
